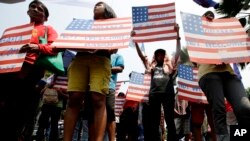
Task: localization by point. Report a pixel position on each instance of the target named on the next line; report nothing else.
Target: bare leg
(71, 115)
(99, 117)
(111, 126)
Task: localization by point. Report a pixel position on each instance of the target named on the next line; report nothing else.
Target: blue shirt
(116, 61)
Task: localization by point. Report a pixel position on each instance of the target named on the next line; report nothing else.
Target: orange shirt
(39, 31)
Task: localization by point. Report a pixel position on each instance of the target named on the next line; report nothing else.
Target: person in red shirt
(21, 98)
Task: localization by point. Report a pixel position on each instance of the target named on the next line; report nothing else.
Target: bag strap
(46, 33)
(44, 39)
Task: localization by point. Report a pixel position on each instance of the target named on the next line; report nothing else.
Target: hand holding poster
(10, 43)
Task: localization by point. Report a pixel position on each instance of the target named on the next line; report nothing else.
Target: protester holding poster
(161, 91)
(217, 82)
(21, 98)
(90, 71)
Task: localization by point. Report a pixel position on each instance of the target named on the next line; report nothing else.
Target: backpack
(50, 96)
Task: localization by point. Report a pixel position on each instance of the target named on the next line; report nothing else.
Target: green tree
(248, 91)
(230, 8)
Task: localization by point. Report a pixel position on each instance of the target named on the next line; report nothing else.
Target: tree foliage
(230, 8)
(248, 91)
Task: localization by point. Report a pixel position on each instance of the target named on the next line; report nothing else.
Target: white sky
(63, 11)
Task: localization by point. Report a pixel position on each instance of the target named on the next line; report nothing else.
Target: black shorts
(110, 105)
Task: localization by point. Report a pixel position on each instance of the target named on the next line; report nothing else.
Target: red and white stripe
(10, 43)
(224, 41)
(190, 90)
(160, 24)
(119, 101)
(105, 34)
(61, 82)
(139, 93)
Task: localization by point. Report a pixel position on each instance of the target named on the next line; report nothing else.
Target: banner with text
(154, 22)
(10, 43)
(215, 42)
(96, 34)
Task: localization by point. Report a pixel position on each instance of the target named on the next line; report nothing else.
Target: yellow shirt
(208, 68)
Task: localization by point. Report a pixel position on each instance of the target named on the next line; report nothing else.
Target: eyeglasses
(38, 7)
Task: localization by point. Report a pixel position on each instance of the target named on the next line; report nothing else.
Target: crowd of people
(27, 100)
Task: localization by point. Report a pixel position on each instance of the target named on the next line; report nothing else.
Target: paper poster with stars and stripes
(96, 34)
(11, 41)
(187, 85)
(121, 88)
(154, 22)
(215, 42)
(61, 82)
(138, 88)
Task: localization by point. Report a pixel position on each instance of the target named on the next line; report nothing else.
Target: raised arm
(143, 58)
(178, 46)
(140, 54)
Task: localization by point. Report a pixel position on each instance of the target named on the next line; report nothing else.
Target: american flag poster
(61, 82)
(154, 22)
(138, 88)
(96, 34)
(215, 42)
(11, 41)
(187, 85)
(121, 86)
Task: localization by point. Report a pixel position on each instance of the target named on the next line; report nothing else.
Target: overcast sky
(63, 11)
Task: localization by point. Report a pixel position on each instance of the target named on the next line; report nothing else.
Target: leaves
(231, 8)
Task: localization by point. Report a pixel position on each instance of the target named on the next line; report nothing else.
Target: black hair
(162, 51)
(243, 22)
(108, 11)
(121, 94)
(208, 13)
(46, 11)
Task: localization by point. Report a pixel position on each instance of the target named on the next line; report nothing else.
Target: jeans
(217, 86)
(52, 113)
(81, 130)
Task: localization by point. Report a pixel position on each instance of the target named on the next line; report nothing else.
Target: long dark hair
(108, 11)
